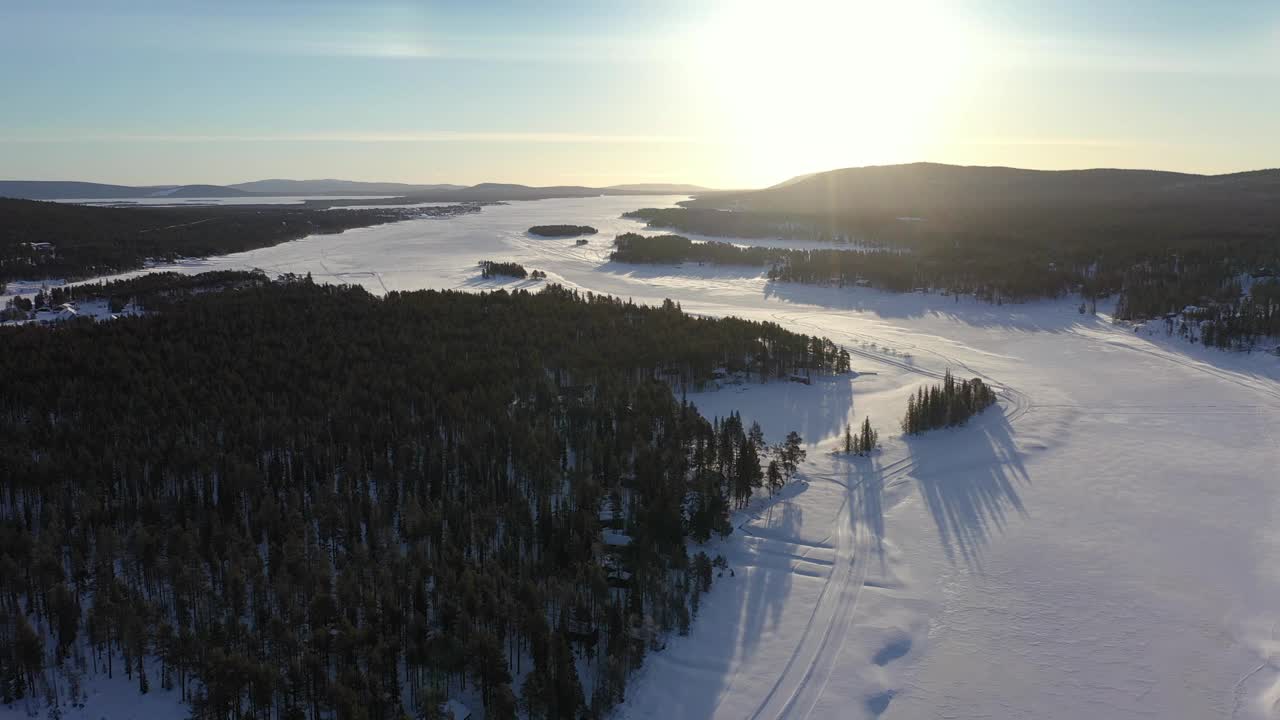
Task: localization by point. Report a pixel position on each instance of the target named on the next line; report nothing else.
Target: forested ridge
(87, 241)
(884, 269)
(1149, 279)
(1158, 242)
(311, 502)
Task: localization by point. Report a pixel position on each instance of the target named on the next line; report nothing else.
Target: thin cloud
(1054, 142)
(439, 136)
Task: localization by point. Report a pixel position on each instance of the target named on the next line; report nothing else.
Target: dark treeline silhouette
(946, 405)
(158, 290)
(724, 223)
(1150, 277)
(886, 270)
(562, 230)
(310, 502)
(86, 241)
(491, 268)
(1157, 241)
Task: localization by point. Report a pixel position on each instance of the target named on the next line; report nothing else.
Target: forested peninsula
(41, 240)
(305, 499)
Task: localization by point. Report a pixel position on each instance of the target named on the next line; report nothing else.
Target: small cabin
(455, 710)
(579, 627)
(615, 539)
(616, 572)
(609, 518)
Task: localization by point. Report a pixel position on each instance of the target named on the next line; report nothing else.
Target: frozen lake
(1104, 545)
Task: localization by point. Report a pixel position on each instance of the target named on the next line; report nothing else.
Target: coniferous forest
(310, 502)
(493, 268)
(946, 405)
(562, 230)
(50, 239)
(1211, 279)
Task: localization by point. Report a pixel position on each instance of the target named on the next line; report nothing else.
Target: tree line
(885, 269)
(306, 501)
(947, 404)
(562, 230)
(1149, 279)
(493, 268)
(87, 241)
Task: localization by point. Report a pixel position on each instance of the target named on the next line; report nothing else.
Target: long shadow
(1033, 316)
(741, 609)
(770, 582)
(501, 282)
(968, 478)
(688, 269)
(816, 411)
(866, 478)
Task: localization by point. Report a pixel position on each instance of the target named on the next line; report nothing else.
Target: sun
(817, 84)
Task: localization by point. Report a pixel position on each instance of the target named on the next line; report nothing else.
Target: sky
(730, 94)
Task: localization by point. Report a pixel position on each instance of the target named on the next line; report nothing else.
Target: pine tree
(791, 453)
(774, 476)
(867, 437)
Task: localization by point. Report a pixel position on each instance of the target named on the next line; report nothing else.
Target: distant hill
(203, 191)
(402, 192)
(922, 188)
(792, 181)
(671, 188)
(336, 187)
(60, 190)
(507, 192)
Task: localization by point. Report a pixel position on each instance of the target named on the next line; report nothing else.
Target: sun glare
(820, 84)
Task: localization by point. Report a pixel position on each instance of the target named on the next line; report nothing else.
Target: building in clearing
(456, 711)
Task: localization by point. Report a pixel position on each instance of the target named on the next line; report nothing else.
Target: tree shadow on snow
(770, 581)
(691, 270)
(1033, 316)
(816, 411)
(747, 606)
(968, 478)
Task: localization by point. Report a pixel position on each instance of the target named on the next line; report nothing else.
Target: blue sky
(730, 94)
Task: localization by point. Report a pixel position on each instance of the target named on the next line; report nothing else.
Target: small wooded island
(490, 269)
(562, 230)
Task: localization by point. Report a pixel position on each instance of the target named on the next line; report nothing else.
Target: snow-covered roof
(456, 710)
(615, 538)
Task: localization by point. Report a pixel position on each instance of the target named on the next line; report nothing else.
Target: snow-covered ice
(1103, 544)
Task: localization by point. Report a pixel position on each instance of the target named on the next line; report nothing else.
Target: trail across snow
(1102, 545)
